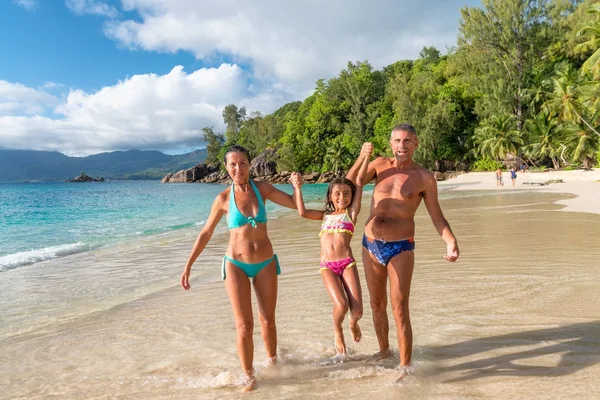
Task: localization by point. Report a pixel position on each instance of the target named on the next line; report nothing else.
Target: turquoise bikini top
(235, 218)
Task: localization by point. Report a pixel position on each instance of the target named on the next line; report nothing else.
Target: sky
(88, 76)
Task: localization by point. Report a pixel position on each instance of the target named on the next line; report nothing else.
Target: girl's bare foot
(355, 329)
(340, 344)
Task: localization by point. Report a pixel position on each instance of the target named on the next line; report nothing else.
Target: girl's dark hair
(236, 149)
(329, 207)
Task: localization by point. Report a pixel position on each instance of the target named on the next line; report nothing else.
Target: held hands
(366, 150)
(296, 180)
(452, 252)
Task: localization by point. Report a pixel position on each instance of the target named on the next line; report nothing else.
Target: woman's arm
(216, 213)
(277, 196)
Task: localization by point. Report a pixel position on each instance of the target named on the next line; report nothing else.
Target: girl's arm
(302, 211)
(216, 213)
(356, 201)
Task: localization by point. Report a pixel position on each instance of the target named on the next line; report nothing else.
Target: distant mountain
(28, 165)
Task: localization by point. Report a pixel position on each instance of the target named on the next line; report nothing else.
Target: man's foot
(403, 372)
(381, 355)
(355, 329)
(340, 344)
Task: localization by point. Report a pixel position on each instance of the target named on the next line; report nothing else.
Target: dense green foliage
(521, 82)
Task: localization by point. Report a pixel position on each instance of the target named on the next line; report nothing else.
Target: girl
(338, 267)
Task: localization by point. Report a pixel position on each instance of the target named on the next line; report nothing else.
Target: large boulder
(193, 174)
(264, 164)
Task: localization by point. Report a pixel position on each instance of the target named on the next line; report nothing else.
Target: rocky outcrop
(85, 178)
(194, 174)
(264, 164)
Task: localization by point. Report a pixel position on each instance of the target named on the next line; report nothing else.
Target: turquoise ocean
(42, 221)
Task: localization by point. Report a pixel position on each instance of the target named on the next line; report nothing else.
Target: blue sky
(51, 43)
(86, 76)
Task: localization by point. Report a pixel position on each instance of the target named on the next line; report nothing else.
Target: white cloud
(94, 7)
(291, 41)
(27, 4)
(285, 47)
(145, 112)
(18, 99)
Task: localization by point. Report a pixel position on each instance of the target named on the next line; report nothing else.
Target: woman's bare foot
(340, 344)
(355, 329)
(249, 381)
(272, 361)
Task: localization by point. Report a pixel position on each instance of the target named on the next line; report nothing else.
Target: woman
(249, 255)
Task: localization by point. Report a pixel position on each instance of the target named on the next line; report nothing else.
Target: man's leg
(376, 276)
(400, 269)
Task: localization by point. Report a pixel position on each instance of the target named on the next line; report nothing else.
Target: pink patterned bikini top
(337, 223)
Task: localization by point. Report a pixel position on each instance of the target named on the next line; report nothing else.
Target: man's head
(404, 141)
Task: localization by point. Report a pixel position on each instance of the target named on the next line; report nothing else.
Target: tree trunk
(555, 162)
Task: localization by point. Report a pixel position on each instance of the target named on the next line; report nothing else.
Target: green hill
(28, 165)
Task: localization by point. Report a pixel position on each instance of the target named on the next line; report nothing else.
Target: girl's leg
(351, 283)
(238, 290)
(265, 287)
(333, 284)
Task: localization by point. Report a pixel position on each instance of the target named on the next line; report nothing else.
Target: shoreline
(584, 185)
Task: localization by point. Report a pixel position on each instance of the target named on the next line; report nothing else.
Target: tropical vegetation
(522, 81)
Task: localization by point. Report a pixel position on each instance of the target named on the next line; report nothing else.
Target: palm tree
(497, 137)
(592, 33)
(544, 134)
(337, 156)
(584, 145)
(563, 99)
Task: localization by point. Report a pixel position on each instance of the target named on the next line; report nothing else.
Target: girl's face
(341, 196)
(238, 167)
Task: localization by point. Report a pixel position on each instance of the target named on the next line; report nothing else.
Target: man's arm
(362, 176)
(430, 196)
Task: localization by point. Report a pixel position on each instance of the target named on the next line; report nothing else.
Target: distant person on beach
(388, 242)
(513, 176)
(249, 256)
(499, 180)
(338, 266)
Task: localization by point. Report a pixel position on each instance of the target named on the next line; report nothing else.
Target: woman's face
(238, 167)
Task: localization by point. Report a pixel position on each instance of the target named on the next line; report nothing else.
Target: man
(388, 242)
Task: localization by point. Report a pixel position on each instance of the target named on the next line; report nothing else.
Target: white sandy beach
(583, 184)
(517, 317)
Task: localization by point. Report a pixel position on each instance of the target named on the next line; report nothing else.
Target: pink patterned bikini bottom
(339, 266)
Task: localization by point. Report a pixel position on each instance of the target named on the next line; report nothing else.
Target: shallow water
(517, 317)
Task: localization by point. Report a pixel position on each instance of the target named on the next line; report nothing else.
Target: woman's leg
(334, 286)
(238, 290)
(351, 283)
(265, 287)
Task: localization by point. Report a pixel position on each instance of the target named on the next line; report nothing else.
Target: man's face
(403, 145)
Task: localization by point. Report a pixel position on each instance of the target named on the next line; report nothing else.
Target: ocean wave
(23, 258)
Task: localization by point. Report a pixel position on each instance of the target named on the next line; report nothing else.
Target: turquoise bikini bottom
(249, 269)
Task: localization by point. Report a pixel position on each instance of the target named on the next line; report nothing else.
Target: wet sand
(518, 316)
